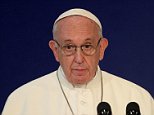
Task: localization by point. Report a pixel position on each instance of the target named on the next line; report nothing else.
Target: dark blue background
(26, 28)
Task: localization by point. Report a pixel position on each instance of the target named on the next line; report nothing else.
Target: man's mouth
(79, 72)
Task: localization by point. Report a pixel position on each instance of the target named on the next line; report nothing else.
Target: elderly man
(78, 86)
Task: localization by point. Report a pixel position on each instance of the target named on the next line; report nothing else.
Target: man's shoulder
(41, 84)
(114, 79)
(123, 84)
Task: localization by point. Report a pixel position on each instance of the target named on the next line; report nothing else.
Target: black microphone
(104, 108)
(133, 109)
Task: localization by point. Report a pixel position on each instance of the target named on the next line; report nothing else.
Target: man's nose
(79, 56)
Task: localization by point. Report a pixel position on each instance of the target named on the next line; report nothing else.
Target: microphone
(133, 109)
(104, 108)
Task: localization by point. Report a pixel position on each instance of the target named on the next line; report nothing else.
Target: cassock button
(83, 102)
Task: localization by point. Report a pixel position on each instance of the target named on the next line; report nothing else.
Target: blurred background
(26, 28)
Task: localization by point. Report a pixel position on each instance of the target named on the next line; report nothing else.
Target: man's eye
(69, 47)
(88, 46)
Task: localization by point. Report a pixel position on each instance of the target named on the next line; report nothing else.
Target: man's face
(76, 30)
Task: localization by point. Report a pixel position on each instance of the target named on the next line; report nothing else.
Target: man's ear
(103, 46)
(53, 46)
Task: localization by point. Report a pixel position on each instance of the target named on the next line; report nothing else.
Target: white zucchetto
(79, 12)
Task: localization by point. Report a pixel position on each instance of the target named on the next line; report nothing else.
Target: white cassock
(44, 96)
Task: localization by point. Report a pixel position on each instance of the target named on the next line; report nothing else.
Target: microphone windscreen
(132, 109)
(104, 108)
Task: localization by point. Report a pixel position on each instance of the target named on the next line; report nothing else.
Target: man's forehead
(78, 41)
(85, 39)
(79, 12)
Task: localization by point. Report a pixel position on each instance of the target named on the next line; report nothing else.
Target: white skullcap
(79, 12)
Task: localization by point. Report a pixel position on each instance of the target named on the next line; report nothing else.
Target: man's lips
(79, 71)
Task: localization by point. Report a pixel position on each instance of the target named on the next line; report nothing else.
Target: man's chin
(81, 80)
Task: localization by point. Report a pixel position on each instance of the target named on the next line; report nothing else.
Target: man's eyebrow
(68, 40)
(89, 40)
